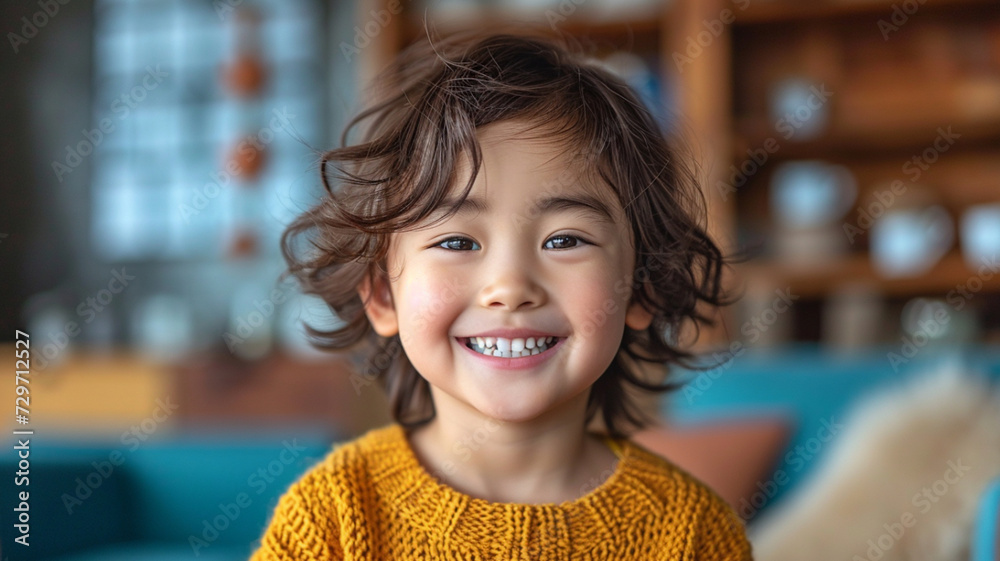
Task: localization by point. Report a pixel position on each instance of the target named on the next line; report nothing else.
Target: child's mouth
(510, 348)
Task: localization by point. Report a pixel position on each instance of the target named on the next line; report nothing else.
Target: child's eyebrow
(548, 205)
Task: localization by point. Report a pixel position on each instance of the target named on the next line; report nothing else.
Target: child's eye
(462, 244)
(452, 246)
(562, 240)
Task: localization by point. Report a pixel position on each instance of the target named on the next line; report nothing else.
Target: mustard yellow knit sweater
(371, 499)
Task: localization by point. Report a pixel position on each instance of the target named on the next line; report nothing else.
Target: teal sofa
(178, 497)
(175, 497)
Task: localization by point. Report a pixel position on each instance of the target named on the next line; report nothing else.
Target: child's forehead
(562, 181)
(566, 164)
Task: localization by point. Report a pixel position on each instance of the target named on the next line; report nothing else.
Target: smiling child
(512, 238)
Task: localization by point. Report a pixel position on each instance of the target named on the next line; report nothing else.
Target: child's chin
(510, 410)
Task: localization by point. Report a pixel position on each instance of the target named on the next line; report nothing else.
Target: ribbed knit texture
(371, 499)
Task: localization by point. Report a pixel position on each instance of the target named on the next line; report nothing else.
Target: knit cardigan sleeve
(722, 534)
(302, 528)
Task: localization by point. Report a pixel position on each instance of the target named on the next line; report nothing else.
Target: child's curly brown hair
(430, 104)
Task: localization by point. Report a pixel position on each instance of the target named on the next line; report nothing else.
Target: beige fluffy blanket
(901, 482)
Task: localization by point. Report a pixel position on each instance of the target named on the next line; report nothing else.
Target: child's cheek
(619, 284)
(598, 306)
(430, 302)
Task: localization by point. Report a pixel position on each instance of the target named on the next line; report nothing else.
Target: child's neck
(552, 460)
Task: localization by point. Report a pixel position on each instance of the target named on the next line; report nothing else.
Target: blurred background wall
(155, 149)
(849, 149)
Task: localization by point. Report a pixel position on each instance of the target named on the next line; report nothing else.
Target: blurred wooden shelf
(105, 392)
(754, 132)
(890, 101)
(645, 25)
(788, 12)
(822, 278)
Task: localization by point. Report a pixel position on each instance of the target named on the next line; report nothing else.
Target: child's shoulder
(691, 501)
(311, 512)
(363, 461)
(352, 455)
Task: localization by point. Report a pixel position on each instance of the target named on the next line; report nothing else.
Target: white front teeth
(510, 348)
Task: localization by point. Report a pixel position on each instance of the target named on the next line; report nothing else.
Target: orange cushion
(730, 457)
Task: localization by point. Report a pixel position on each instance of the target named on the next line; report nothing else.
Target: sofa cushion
(216, 489)
(986, 541)
(88, 496)
(154, 551)
(76, 498)
(734, 458)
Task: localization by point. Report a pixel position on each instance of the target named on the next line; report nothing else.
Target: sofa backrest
(986, 538)
(74, 501)
(209, 490)
(194, 490)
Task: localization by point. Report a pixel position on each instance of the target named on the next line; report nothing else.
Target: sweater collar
(435, 507)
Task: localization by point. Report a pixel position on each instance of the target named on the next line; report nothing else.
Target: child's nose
(513, 289)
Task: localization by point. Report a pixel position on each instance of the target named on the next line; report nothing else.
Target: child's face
(565, 271)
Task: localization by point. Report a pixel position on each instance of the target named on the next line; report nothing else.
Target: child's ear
(637, 317)
(379, 307)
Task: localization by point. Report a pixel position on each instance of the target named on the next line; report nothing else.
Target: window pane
(161, 187)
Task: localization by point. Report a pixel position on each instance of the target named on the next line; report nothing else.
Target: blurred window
(165, 124)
